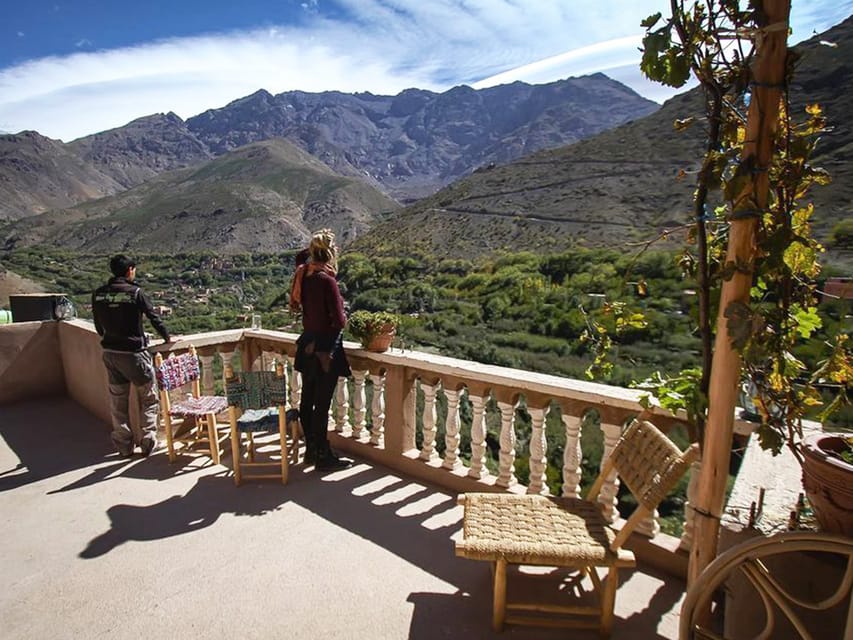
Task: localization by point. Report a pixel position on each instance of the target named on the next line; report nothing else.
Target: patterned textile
(200, 406)
(176, 371)
(256, 390)
(258, 420)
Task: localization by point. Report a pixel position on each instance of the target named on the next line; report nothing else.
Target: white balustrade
(377, 409)
(434, 375)
(506, 458)
(538, 451)
(689, 515)
(609, 489)
(208, 382)
(359, 404)
(342, 423)
(428, 451)
(478, 437)
(572, 456)
(452, 425)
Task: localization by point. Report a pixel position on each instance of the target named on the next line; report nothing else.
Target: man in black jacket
(118, 307)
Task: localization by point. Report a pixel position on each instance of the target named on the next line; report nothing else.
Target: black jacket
(117, 308)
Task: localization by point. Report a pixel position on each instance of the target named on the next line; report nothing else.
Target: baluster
(268, 360)
(295, 385)
(207, 381)
(342, 423)
(451, 430)
(607, 497)
(650, 525)
(478, 437)
(689, 515)
(377, 409)
(227, 358)
(538, 450)
(572, 456)
(428, 451)
(506, 462)
(359, 403)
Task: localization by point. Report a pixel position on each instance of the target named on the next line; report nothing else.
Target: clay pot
(382, 341)
(828, 482)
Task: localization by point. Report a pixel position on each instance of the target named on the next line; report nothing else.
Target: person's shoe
(148, 446)
(331, 462)
(125, 452)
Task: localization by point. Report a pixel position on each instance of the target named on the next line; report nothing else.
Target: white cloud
(383, 47)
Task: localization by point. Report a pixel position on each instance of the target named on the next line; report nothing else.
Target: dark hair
(302, 257)
(120, 264)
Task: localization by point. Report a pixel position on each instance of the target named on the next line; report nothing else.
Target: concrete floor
(98, 547)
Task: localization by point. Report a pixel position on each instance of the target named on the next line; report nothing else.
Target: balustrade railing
(459, 421)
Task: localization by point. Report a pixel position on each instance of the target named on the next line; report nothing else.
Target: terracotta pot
(382, 341)
(828, 482)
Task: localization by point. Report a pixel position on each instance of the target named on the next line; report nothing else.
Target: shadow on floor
(50, 436)
(412, 520)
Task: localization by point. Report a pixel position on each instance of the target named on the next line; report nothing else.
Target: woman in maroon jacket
(320, 353)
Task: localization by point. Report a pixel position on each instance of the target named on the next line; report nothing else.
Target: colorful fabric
(200, 406)
(258, 420)
(256, 390)
(176, 371)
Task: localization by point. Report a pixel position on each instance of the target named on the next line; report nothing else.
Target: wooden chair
(183, 371)
(790, 584)
(257, 402)
(511, 529)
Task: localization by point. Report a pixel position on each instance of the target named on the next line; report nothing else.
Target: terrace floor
(95, 546)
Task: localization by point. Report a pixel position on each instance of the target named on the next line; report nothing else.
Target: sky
(69, 69)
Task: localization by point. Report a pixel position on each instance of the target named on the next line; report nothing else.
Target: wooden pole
(768, 79)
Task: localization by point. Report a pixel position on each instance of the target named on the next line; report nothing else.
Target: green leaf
(808, 321)
(651, 21)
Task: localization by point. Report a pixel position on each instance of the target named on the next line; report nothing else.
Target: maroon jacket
(322, 304)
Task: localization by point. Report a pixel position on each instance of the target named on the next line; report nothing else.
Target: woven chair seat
(534, 529)
(571, 533)
(200, 406)
(254, 420)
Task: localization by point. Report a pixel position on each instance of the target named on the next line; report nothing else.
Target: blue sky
(68, 69)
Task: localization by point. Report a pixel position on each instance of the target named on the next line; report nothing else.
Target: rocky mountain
(418, 140)
(408, 145)
(140, 150)
(38, 174)
(623, 185)
(266, 196)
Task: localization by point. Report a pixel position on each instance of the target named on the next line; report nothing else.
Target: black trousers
(318, 388)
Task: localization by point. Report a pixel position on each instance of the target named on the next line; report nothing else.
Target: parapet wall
(30, 361)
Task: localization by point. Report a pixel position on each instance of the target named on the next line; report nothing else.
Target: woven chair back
(256, 390)
(649, 463)
(178, 370)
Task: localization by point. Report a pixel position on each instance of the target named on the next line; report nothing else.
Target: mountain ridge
(407, 145)
(265, 196)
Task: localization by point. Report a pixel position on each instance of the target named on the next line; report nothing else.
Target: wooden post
(768, 77)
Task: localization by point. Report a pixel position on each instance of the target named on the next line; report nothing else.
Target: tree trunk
(768, 77)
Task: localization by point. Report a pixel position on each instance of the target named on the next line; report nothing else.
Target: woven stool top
(534, 529)
(200, 406)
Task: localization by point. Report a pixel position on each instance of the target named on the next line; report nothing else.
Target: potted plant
(374, 329)
(827, 471)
